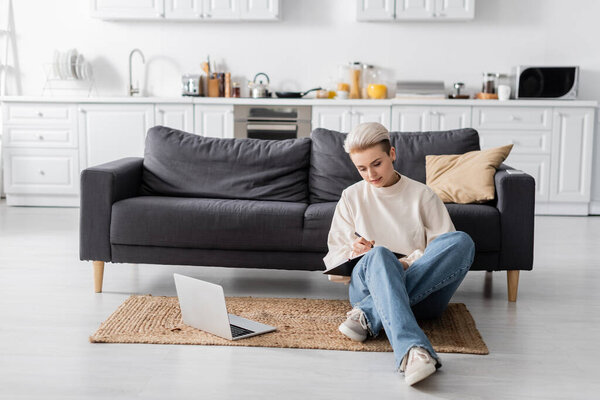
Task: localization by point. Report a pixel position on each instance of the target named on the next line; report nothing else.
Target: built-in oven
(271, 122)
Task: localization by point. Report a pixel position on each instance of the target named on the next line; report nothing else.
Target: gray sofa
(254, 203)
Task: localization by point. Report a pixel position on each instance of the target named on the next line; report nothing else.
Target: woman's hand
(404, 264)
(361, 245)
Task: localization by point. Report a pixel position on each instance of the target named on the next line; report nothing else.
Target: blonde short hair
(367, 135)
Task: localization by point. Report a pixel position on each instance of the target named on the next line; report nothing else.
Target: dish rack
(69, 75)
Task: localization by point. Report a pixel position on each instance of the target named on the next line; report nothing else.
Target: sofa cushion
(207, 223)
(412, 147)
(465, 178)
(480, 221)
(332, 170)
(317, 221)
(182, 164)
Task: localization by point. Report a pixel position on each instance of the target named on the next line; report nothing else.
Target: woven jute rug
(301, 323)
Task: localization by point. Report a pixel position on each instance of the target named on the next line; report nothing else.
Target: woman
(403, 216)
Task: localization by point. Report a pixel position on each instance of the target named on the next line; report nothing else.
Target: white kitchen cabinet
(428, 118)
(538, 166)
(113, 131)
(343, 119)
(127, 9)
(221, 9)
(375, 10)
(362, 114)
(531, 153)
(213, 120)
(184, 9)
(572, 144)
(263, 10)
(178, 116)
(42, 171)
(332, 117)
(415, 10)
(40, 154)
(512, 118)
(190, 10)
(435, 10)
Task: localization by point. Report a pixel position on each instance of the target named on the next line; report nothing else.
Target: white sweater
(404, 217)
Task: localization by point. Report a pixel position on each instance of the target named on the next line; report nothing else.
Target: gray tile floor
(545, 346)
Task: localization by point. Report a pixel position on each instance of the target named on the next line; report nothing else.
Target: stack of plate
(70, 65)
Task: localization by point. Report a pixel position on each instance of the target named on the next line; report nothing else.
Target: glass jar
(370, 75)
(355, 80)
(235, 89)
(490, 82)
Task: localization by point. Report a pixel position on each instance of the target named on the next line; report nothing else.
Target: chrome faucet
(133, 90)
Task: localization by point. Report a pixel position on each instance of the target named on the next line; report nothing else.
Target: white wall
(314, 37)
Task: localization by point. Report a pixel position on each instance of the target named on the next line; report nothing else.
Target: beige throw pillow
(465, 178)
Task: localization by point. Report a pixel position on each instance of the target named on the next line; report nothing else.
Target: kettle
(259, 89)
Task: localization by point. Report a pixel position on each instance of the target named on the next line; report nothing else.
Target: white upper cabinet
(127, 9)
(375, 10)
(221, 9)
(415, 10)
(259, 10)
(455, 9)
(184, 9)
(199, 10)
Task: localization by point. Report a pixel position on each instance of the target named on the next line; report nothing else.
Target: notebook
(346, 267)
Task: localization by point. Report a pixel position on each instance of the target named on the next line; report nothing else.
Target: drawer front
(36, 113)
(17, 136)
(512, 118)
(41, 171)
(525, 142)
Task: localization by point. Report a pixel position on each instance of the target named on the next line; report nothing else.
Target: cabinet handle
(41, 137)
(82, 110)
(40, 114)
(42, 172)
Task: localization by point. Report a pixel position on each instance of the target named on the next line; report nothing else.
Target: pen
(358, 235)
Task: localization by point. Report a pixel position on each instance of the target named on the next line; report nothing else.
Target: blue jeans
(394, 299)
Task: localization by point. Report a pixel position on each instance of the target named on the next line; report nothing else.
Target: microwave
(534, 82)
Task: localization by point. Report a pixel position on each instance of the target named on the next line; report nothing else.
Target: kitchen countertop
(311, 102)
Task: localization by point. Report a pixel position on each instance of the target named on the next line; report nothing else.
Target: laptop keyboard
(239, 331)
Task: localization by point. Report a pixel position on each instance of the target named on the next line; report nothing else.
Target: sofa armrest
(101, 186)
(515, 195)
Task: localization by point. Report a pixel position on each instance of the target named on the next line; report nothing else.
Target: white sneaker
(355, 326)
(417, 365)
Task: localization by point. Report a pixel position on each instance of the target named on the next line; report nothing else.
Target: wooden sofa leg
(98, 275)
(512, 278)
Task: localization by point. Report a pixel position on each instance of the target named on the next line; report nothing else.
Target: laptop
(203, 307)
